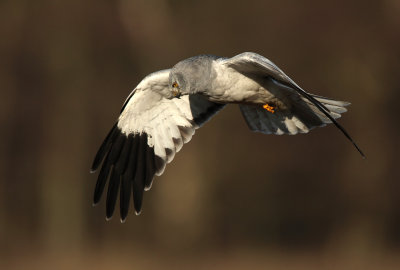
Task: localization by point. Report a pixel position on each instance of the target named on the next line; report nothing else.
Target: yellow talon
(269, 108)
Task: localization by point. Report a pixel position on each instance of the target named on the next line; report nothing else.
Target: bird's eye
(174, 85)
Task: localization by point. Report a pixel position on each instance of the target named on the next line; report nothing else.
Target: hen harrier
(163, 111)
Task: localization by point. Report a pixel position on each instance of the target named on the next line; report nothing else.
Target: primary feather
(152, 127)
(154, 124)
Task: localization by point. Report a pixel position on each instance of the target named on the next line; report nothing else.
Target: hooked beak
(176, 93)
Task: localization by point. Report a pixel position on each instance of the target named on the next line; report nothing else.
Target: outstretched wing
(152, 127)
(252, 64)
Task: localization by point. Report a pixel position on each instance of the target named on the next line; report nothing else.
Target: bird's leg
(269, 108)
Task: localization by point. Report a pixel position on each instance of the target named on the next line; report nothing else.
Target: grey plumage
(252, 79)
(164, 110)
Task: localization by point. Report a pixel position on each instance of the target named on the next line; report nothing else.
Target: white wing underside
(152, 127)
(161, 122)
(168, 122)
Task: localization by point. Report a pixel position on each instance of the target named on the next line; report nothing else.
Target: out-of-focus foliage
(232, 198)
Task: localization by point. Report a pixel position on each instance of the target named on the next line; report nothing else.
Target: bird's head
(177, 84)
(191, 76)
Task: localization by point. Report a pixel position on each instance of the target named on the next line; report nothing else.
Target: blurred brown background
(232, 199)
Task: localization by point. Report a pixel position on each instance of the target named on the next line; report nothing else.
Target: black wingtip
(359, 150)
(140, 175)
(112, 192)
(128, 167)
(325, 111)
(347, 136)
(105, 146)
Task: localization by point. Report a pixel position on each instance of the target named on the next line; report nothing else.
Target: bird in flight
(166, 107)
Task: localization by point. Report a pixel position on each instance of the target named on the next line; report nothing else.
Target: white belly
(231, 86)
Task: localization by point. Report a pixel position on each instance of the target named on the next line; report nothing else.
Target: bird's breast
(230, 86)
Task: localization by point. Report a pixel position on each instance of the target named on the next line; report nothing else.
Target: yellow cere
(174, 85)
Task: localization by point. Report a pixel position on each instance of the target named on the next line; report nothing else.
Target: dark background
(231, 199)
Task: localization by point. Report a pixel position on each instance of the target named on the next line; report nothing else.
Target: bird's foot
(269, 108)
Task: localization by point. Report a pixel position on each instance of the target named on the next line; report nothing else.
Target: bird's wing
(300, 118)
(152, 127)
(252, 64)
